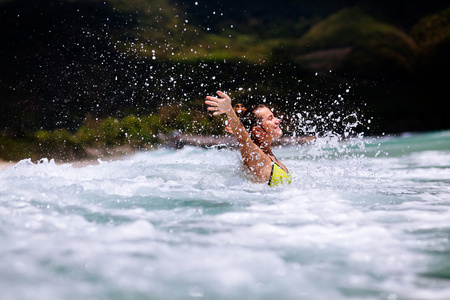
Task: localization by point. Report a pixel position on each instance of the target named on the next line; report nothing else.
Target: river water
(367, 218)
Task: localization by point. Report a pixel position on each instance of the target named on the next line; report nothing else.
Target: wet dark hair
(249, 119)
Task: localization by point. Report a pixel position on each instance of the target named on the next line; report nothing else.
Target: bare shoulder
(257, 162)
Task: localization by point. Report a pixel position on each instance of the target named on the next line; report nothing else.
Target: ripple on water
(186, 224)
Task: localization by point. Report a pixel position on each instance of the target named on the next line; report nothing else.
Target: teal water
(364, 219)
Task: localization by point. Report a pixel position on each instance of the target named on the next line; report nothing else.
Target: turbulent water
(363, 219)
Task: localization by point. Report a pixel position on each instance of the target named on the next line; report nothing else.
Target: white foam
(188, 222)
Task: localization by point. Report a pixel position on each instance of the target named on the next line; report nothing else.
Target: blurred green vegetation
(98, 137)
(80, 74)
(374, 47)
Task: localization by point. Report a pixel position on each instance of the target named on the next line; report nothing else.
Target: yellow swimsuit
(279, 176)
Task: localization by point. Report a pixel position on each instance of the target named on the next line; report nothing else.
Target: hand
(227, 126)
(219, 105)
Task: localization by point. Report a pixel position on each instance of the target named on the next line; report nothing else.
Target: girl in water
(254, 134)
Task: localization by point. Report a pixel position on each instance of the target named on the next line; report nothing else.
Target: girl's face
(239, 108)
(269, 123)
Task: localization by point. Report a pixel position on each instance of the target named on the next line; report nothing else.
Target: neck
(265, 147)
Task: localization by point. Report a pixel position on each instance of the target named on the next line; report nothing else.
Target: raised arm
(223, 106)
(253, 156)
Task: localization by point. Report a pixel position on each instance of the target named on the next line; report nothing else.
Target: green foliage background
(78, 74)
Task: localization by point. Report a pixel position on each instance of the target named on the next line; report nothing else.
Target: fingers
(215, 110)
(212, 103)
(214, 106)
(222, 94)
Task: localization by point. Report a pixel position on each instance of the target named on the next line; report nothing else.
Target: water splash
(163, 219)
